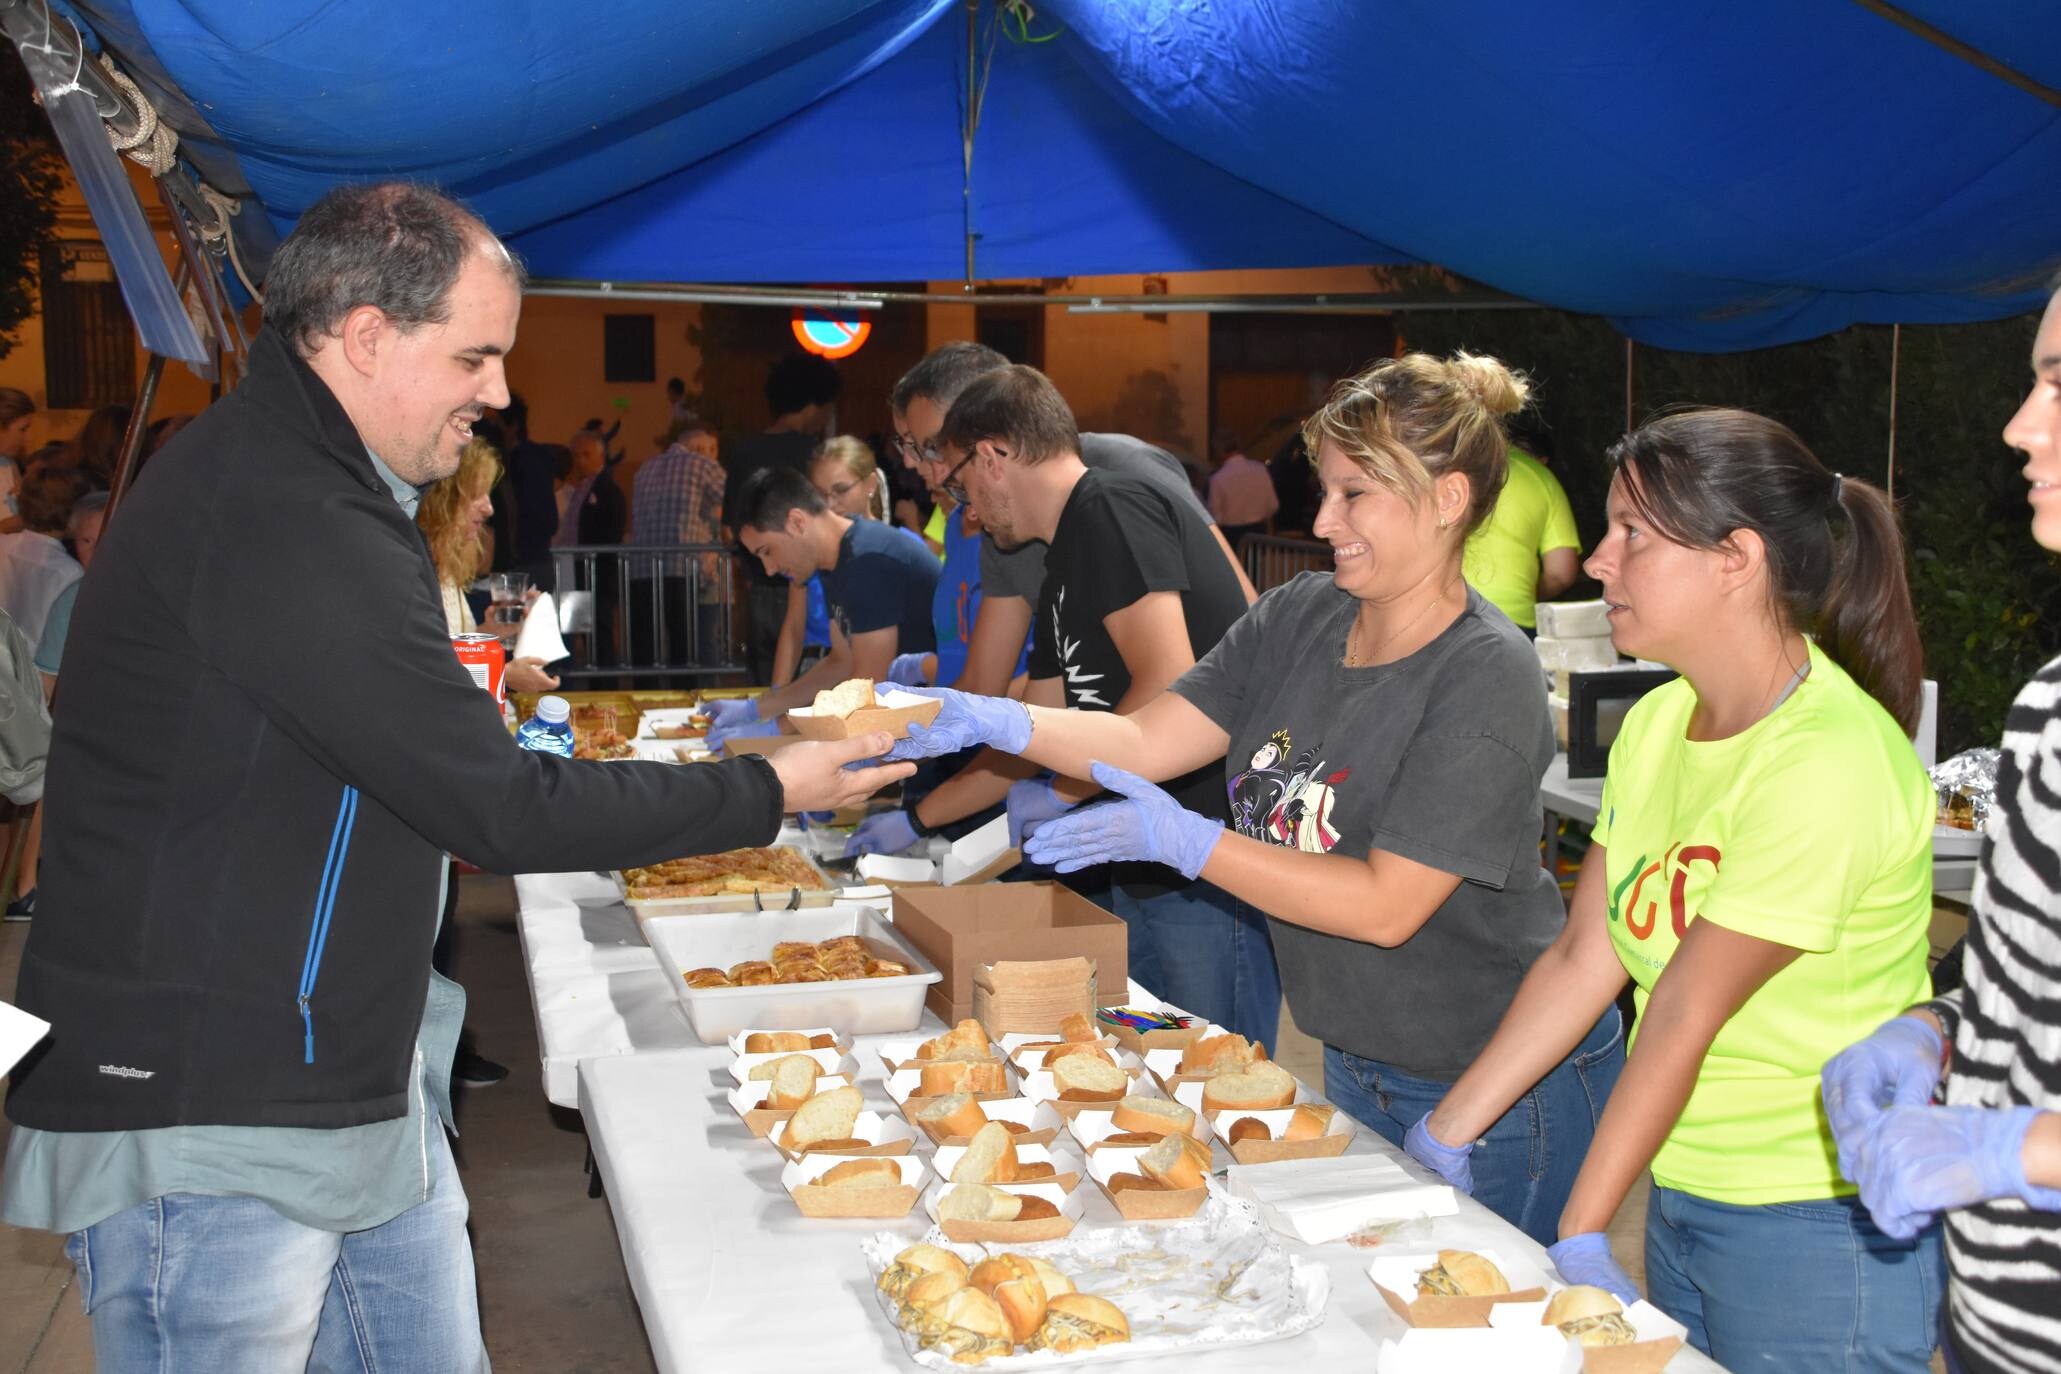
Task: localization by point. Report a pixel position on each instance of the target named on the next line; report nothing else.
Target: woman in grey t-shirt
(1384, 731)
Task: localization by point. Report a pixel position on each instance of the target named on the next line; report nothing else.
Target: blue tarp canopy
(1710, 174)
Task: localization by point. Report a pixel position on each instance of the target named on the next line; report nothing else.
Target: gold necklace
(1352, 657)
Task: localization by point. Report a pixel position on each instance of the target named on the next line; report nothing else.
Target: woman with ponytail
(1762, 873)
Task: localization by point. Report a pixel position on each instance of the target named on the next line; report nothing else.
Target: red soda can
(485, 659)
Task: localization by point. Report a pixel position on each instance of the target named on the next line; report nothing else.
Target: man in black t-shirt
(877, 583)
(1136, 589)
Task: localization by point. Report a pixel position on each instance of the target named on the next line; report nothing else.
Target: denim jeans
(194, 1282)
(1794, 1285)
(1206, 952)
(1525, 1164)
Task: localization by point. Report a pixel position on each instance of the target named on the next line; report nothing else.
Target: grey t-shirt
(1437, 758)
(1021, 571)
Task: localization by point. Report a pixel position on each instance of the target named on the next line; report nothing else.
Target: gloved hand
(1586, 1258)
(748, 730)
(1032, 802)
(1148, 825)
(964, 721)
(889, 832)
(1449, 1162)
(907, 670)
(725, 718)
(1920, 1161)
(1897, 1066)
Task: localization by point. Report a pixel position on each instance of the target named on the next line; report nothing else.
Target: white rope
(155, 144)
(219, 232)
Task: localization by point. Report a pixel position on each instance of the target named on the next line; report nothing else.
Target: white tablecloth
(729, 1276)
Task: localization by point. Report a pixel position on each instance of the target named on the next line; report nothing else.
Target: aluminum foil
(1218, 1279)
(1967, 787)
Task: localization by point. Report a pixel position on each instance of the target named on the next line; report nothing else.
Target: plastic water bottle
(549, 731)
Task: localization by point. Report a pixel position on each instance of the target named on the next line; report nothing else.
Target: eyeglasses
(915, 452)
(952, 486)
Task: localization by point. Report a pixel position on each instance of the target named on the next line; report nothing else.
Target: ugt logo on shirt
(1639, 921)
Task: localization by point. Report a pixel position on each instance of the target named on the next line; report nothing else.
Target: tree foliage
(30, 179)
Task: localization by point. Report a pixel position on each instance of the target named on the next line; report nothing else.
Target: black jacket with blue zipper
(263, 748)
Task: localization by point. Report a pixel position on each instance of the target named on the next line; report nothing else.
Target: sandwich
(950, 1116)
(1082, 1079)
(794, 1081)
(941, 1076)
(1310, 1121)
(916, 1261)
(1177, 1161)
(923, 1296)
(853, 694)
(1259, 1086)
(1015, 1285)
(1079, 1321)
(967, 1035)
(1056, 1284)
(978, 1202)
(826, 1117)
(1154, 1116)
(1217, 1053)
(990, 1157)
(1589, 1315)
(1461, 1274)
(969, 1327)
(862, 1173)
(1078, 1028)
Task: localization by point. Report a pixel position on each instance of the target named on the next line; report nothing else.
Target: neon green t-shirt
(1812, 829)
(934, 530)
(1531, 518)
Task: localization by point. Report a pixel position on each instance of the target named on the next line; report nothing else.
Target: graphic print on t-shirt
(1287, 803)
(1636, 908)
(1079, 692)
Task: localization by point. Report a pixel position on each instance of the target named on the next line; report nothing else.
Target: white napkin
(539, 637)
(19, 1033)
(1319, 1200)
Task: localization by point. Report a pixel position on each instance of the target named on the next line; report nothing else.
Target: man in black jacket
(236, 1112)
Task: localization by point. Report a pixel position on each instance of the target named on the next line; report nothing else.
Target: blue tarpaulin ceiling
(1711, 174)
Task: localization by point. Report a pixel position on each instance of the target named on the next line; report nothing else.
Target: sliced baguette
(978, 1202)
(1084, 1074)
(828, 1115)
(954, 1114)
(989, 1158)
(1259, 1086)
(794, 1082)
(1177, 1161)
(1152, 1116)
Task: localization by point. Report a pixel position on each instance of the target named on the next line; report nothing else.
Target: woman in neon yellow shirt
(1762, 873)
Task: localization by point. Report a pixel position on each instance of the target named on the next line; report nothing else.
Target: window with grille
(89, 346)
(629, 348)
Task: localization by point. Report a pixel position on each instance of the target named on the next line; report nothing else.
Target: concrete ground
(553, 1295)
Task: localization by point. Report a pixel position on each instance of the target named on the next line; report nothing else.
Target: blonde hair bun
(1500, 390)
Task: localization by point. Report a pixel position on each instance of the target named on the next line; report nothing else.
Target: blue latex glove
(1149, 825)
(717, 734)
(907, 670)
(890, 832)
(726, 718)
(964, 721)
(1449, 1162)
(1897, 1066)
(1920, 1161)
(1586, 1258)
(1032, 802)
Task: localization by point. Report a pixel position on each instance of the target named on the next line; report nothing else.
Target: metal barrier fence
(640, 611)
(1271, 560)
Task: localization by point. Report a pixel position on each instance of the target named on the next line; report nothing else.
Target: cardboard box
(960, 928)
(800, 1177)
(1660, 1336)
(893, 711)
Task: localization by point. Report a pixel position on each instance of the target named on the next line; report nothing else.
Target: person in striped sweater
(1989, 1157)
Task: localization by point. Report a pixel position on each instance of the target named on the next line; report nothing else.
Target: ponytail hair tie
(1838, 490)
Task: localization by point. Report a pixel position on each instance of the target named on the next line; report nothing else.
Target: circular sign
(830, 338)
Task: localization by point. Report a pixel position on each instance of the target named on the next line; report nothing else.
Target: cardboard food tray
(748, 1101)
(1041, 1124)
(827, 1062)
(1042, 1088)
(1396, 1278)
(1009, 1232)
(858, 1006)
(1144, 1042)
(841, 1044)
(1066, 1169)
(656, 717)
(814, 1202)
(1660, 1336)
(884, 1135)
(892, 711)
(1171, 1204)
(823, 893)
(1337, 1135)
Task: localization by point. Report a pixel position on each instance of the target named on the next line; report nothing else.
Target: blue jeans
(193, 1282)
(1794, 1285)
(1525, 1165)
(1206, 952)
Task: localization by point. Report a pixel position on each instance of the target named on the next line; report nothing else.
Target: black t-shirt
(1118, 540)
(785, 449)
(884, 577)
